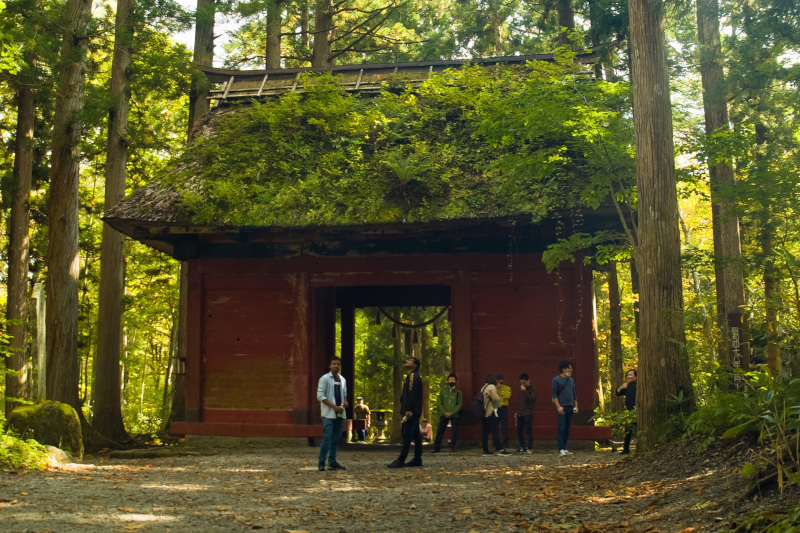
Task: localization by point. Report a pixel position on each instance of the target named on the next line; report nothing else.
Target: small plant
(776, 421)
(17, 453)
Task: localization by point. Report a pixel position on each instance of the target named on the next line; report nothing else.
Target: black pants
(411, 431)
(489, 425)
(502, 413)
(525, 425)
(443, 420)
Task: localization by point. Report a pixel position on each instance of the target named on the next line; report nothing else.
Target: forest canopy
(471, 142)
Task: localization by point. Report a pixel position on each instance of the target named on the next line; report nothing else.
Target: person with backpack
(449, 404)
(491, 402)
(565, 400)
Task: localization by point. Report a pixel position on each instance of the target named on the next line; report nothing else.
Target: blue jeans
(564, 423)
(331, 435)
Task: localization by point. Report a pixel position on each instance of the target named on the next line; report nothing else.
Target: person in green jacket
(450, 402)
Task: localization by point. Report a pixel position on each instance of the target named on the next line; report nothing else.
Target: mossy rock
(49, 423)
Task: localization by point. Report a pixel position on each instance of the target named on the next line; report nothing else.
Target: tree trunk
(203, 55)
(177, 412)
(594, 33)
(566, 19)
(107, 418)
(663, 363)
(397, 386)
(273, 52)
(725, 220)
(16, 375)
(63, 253)
(599, 400)
(772, 298)
(323, 24)
(615, 365)
(305, 34)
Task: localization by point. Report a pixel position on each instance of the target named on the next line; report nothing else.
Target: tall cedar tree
(107, 418)
(18, 248)
(663, 362)
(62, 253)
(727, 242)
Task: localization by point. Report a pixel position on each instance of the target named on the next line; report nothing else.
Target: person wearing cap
(361, 412)
(502, 412)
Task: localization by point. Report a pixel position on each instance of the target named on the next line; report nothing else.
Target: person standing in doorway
(628, 389)
(411, 407)
(449, 403)
(527, 401)
(426, 430)
(361, 412)
(565, 400)
(504, 391)
(332, 396)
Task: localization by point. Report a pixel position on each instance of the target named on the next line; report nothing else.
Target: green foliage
(18, 453)
(619, 422)
(769, 522)
(767, 408)
(468, 143)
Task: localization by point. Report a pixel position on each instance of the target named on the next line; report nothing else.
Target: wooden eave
(365, 78)
(488, 235)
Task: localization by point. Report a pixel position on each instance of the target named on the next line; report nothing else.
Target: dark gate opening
(374, 329)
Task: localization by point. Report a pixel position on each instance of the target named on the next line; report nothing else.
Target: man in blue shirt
(332, 395)
(565, 400)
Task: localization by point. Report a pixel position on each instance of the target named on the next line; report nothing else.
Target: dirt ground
(280, 489)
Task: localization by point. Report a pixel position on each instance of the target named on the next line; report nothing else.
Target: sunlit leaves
(468, 143)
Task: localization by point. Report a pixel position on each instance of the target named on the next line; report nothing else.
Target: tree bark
(16, 375)
(273, 51)
(305, 34)
(177, 412)
(725, 220)
(397, 386)
(63, 258)
(615, 366)
(204, 56)
(323, 24)
(107, 418)
(566, 19)
(599, 400)
(663, 363)
(772, 297)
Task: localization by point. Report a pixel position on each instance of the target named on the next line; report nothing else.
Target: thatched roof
(158, 213)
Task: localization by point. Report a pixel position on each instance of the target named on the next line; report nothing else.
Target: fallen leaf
(125, 509)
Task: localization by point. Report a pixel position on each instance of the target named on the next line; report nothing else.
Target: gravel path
(275, 490)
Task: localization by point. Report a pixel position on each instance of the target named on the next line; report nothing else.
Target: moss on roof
(477, 142)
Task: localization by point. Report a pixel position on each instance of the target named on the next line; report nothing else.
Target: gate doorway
(374, 329)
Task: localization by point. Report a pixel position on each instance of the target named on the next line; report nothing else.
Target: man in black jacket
(411, 407)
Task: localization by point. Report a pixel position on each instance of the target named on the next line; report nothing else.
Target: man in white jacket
(332, 395)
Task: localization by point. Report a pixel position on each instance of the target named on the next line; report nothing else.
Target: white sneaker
(564, 452)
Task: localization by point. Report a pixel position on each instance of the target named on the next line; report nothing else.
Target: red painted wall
(255, 352)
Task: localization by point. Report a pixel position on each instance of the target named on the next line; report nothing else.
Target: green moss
(51, 423)
(470, 143)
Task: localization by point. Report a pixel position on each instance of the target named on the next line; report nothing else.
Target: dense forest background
(750, 66)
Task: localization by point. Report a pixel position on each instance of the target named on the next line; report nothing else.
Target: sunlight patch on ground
(701, 476)
(136, 517)
(196, 488)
